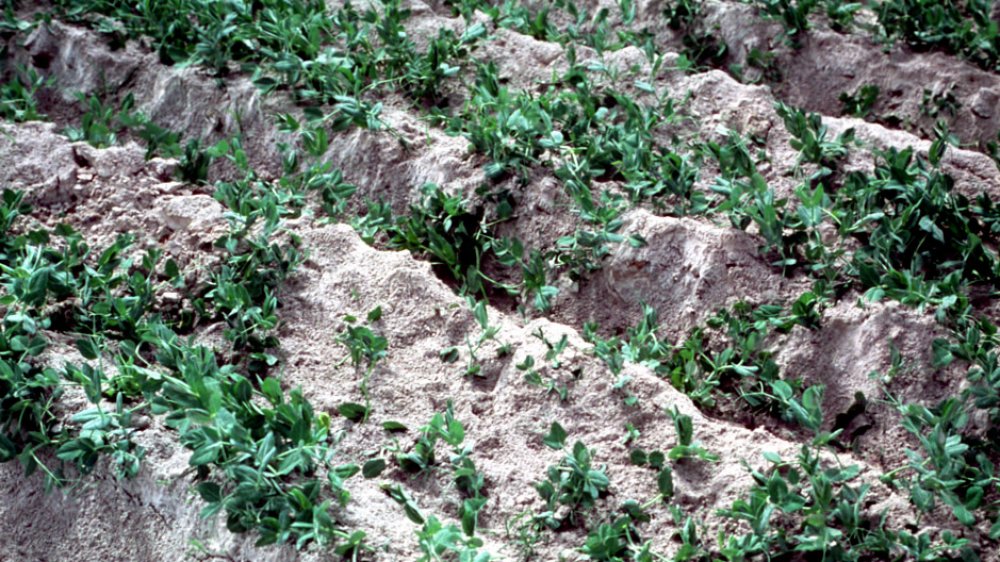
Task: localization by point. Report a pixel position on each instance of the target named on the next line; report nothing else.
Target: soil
(689, 268)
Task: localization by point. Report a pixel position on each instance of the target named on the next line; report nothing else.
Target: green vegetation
(959, 27)
(366, 347)
(861, 102)
(575, 483)
(610, 139)
(18, 96)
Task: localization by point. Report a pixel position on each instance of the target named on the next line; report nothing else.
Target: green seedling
(861, 102)
(810, 137)
(574, 483)
(842, 14)
(366, 349)
(98, 125)
(550, 385)
(446, 542)
(422, 455)
(18, 97)
(687, 447)
(793, 15)
(657, 460)
(939, 104)
(961, 28)
(619, 541)
(421, 458)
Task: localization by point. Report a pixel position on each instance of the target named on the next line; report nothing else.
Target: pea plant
(366, 348)
(575, 483)
(18, 96)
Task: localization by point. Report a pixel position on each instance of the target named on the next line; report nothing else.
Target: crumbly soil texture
(595, 350)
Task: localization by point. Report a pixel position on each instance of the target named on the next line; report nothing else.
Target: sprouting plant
(686, 446)
(195, 161)
(363, 343)
(764, 66)
(575, 482)
(793, 15)
(101, 432)
(488, 332)
(468, 480)
(440, 542)
(421, 456)
(366, 348)
(551, 385)
(18, 101)
(656, 460)
(455, 237)
(938, 103)
(962, 28)
(810, 137)
(841, 14)
(701, 46)
(262, 456)
(285, 489)
(861, 102)
(945, 468)
(98, 125)
(619, 539)
(534, 272)
(691, 547)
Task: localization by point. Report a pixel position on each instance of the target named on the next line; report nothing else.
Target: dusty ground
(690, 268)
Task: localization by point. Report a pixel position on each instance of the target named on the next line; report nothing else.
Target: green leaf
(772, 457)
(556, 438)
(665, 483)
(963, 515)
(638, 457)
(394, 426)
(995, 530)
(678, 452)
(942, 353)
(657, 459)
(345, 471)
(271, 389)
(353, 411)
(410, 508)
(205, 454)
(88, 348)
(685, 429)
(449, 354)
(373, 468)
(209, 491)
